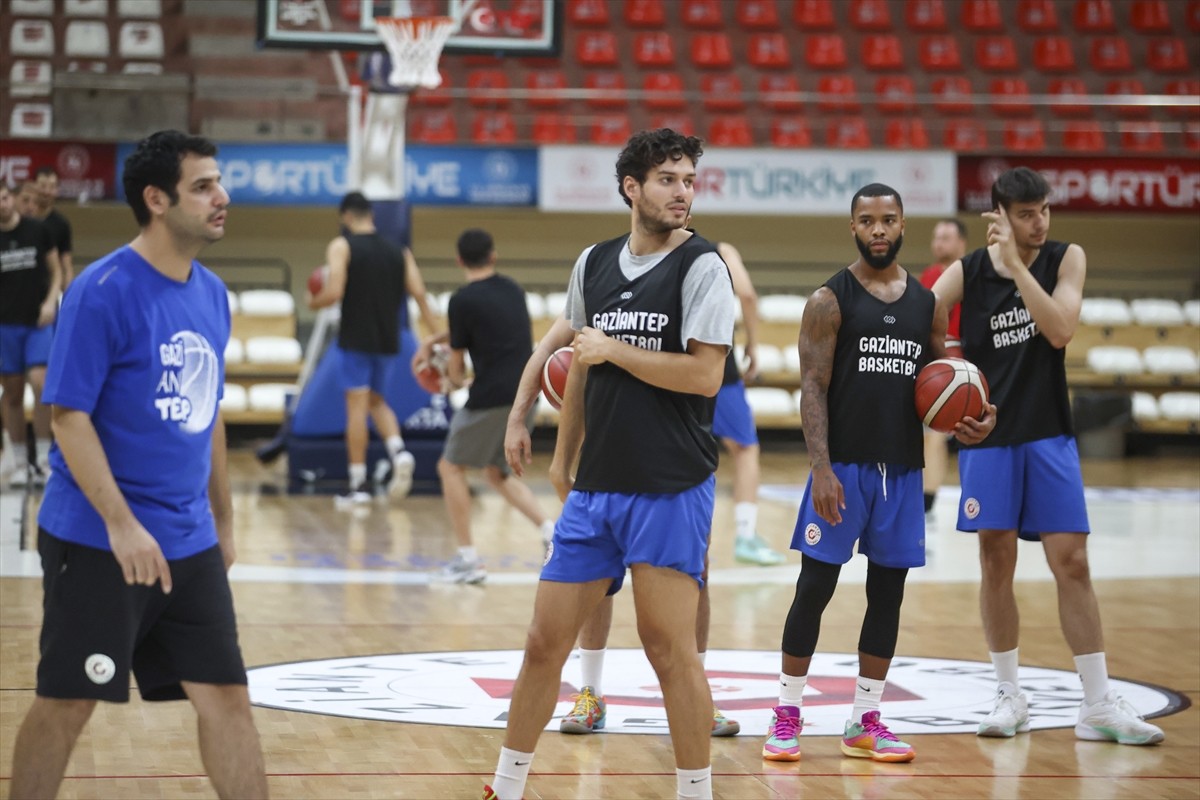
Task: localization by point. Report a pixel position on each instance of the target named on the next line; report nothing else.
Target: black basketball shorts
(96, 629)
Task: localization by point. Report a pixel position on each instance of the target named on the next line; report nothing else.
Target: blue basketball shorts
(366, 370)
(884, 513)
(23, 347)
(1034, 487)
(600, 534)
(732, 418)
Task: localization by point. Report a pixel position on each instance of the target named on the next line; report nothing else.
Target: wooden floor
(301, 595)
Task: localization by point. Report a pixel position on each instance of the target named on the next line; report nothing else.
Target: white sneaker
(402, 474)
(351, 498)
(460, 570)
(1114, 720)
(1008, 718)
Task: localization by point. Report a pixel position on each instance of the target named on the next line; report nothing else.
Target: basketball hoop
(415, 44)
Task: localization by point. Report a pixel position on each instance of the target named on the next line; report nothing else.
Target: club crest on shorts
(99, 668)
(812, 534)
(971, 508)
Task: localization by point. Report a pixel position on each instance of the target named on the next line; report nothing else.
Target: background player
(1021, 296)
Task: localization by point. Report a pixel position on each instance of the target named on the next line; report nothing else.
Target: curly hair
(157, 162)
(645, 150)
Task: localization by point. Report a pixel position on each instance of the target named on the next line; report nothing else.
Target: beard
(654, 223)
(879, 262)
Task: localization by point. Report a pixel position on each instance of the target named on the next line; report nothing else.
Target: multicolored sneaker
(488, 794)
(587, 715)
(871, 739)
(755, 550)
(723, 726)
(1113, 719)
(1009, 717)
(783, 735)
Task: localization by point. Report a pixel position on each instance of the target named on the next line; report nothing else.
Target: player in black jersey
(863, 339)
(654, 312)
(1021, 297)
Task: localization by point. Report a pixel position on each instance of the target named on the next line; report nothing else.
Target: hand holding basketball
(431, 374)
(317, 279)
(554, 375)
(949, 392)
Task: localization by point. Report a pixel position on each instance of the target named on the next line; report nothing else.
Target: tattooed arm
(818, 342)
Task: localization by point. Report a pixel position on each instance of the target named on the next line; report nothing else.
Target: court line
(608, 774)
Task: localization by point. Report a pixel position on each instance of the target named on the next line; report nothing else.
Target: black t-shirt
(489, 319)
(374, 293)
(60, 231)
(880, 348)
(1026, 375)
(24, 276)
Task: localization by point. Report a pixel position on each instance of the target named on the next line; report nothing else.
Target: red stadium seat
(894, 94)
(837, 93)
(1037, 16)
(711, 51)
(1193, 16)
(1191, 137)
(778, 92)
(606, 89)
(882, 53)
(722, 91)
(596, 49)
(847, 133)
(681, 123)
(925, 16)
(1072, 94)
(1053, 54)
(702, 14)
(870, 15)
(769, 51)
(813, 15)
(645, 13)
(1084, 137)
(1167, 55)
(1094, 16)
(906, 134)
(1142, 137)
(664, 90)
(1110, 54)
(488, 88)
(757, 15)
(546, 88)
(588, 13)
(1026, 135)
(825, 51)
(1128, 87)
(1010, 97)
(610, 129)
(1150, 16)
(432, 127)
(982, 16)
(439, 97)
(952, 95)
(996, 54)
(790, 132)
(964, 135)
(940, 54)
(730, 131)
(549, 128)
(652, 50)
(493, 127)
(1187, 90)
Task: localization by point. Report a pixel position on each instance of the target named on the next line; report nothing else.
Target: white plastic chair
(556, 303)
(234, 304)
(86, 39)
(781, 307)
(1170, 360)
(32, 8)
(146, 9)
(535, 304)
(267, 303)
(31, 37)
(85, 8)
(1191, 310)
(1115, 360)
(235, 351)
(141, 40)
(31, 120)
(235, 398)
(269, 396)
(1180, 406)
(1157, 311)
(770, 358)
(765, 401)
(1145, 407)
(791, 358)
(30, 78)
(1105, 311)
(273, 350)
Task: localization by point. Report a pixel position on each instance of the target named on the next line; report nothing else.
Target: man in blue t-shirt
(139, 493)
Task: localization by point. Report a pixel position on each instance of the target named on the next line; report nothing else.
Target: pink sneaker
(871, 739)
(783, 736)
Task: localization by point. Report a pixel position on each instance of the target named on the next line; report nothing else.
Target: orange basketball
(430, 375)
(316, 280)
(554, 375)
(948, 390)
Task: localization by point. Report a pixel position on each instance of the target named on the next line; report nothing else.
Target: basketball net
(376, 134)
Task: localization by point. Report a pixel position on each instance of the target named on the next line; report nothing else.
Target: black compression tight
(881, 624)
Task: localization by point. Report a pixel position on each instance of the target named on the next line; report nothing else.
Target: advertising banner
(774, 182)
(1129, 185)
(315, 174)
(85, 171)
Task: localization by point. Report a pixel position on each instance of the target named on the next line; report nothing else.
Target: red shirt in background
(928, 279)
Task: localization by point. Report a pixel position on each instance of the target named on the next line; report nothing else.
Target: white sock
(693, 784)
(394, 445)
(867, 694)
(512, 770)
(591, 664)
(547, 530)
(358, 475)
(745, 516)
(1006, 671)
(1093, 672)
(791, 690)
(468, 553)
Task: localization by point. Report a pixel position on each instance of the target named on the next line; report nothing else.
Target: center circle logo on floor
(473, 689)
